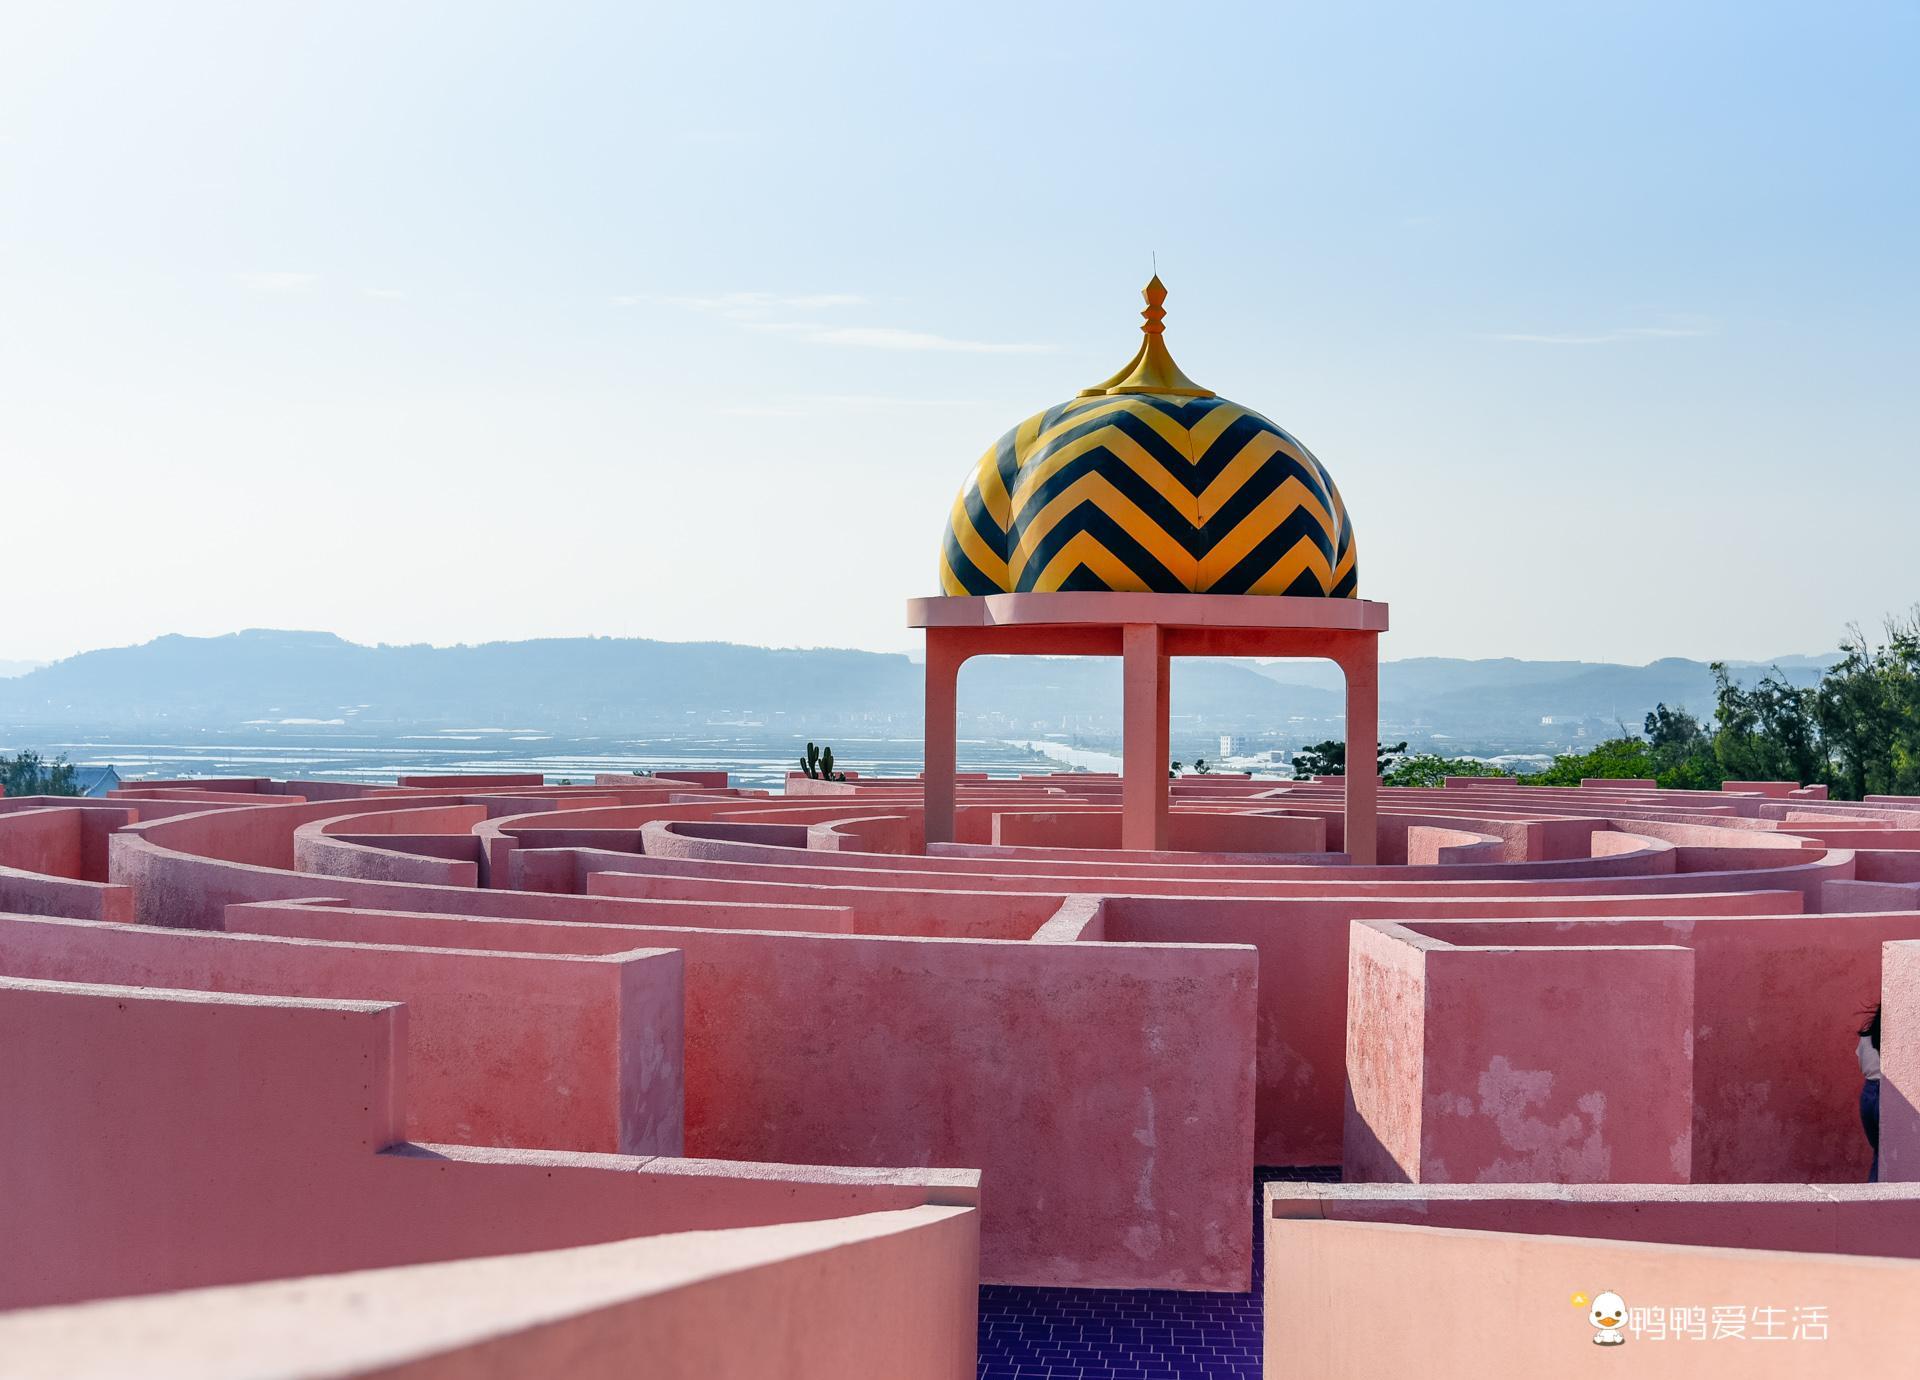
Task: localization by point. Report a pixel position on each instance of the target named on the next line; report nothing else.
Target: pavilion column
(1146, 743)
(944, 657)
(1360, 660)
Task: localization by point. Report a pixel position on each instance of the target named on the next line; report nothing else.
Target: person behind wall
(1868, 1051)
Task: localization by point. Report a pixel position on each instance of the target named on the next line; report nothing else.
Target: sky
(460, 322)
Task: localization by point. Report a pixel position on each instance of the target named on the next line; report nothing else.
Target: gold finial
(1155, 292)
(1152, 369)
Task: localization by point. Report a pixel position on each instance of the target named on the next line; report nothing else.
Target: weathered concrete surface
(162, 1140)
(828, 1049)
(536, 1050)
(1539, 1064)
(882, 1294)
(1469, 1305)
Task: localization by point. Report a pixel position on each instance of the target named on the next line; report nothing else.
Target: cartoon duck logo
(1607, 1313)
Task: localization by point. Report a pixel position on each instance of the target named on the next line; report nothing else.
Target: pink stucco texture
(870, 1044)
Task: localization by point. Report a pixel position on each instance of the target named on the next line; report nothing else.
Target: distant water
(1063, 755)
(327, 753)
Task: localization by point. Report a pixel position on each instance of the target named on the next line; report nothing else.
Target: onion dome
(1149, 482)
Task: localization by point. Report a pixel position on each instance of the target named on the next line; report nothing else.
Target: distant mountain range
(1469, 698)
(263, 678)
(18, 668)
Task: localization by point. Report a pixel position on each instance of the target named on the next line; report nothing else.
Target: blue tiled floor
(1128, 1334)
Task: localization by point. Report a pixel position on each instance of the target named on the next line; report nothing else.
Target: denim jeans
(1870, 1120)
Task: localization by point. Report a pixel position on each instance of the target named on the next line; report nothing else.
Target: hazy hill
(587, 683)
(612, 684)
(1457, 692)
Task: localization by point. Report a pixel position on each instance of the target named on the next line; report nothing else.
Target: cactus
(818, 764)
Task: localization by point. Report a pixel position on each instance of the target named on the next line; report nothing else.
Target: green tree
(28, 773)
(1675, 732)
(1427, 769)
(1330, 758)
(1615, 759)
(1768, 733)
(1868, 707)
(1682, 751)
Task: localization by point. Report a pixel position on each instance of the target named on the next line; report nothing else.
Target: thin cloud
(753, 306)
(838, 404)
(1617, 335)
(279, 282)
(889, 338)
(770, 311)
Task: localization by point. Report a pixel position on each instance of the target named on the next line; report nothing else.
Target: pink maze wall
(1776, 1002)
(505, 1049)
(172, 1139)
(882, 1293)
(53, 858)
(1517, 1064)
(1828, 1314)
(1303, 1036)
(1568, 984)
(1104, 1090)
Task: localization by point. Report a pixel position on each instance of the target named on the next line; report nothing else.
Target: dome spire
(1151, 370)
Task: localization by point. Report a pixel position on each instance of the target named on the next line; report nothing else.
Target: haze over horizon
(18, 665)
(328, 318)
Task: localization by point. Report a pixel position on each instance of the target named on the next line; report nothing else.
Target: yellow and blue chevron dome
(1150, 491)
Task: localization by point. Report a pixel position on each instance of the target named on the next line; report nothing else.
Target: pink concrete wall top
(1767, 788)
(185, 873)
(409, 819)
(1847, 1219)
(204, 798)
(32, 893)
(1170, 864)
(712, 780)
(1652, 868)
(1432, 845)
(882, 1294)
(867, 834)
(873, 910)
(1275, 835)
(434, 844)
(459, 781)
